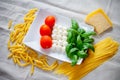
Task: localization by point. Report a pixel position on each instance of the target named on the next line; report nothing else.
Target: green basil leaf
(75, 25)
(73, 40)
(68, 47)
(79, 42)
(87, 34)
(74, 60)
(69, 37)
(73, 31)
(88, 46)
(81, 31)
(88, 40)
(72, 52)
(82, 54)
(92, 33)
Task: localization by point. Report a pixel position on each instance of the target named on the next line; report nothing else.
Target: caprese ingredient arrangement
(74, 41)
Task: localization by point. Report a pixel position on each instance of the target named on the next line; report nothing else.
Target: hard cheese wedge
(99, 20)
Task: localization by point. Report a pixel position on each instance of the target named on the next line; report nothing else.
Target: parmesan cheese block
(99, 20)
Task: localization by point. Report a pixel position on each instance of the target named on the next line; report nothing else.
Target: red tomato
(46, 42)
(50, 21)
(45, 30)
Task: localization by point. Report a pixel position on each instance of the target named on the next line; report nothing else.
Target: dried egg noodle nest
(24, 56)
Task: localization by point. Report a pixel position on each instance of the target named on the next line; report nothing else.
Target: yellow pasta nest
(21, 54)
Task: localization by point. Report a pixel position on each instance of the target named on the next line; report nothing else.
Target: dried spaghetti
(104, 50)
(21, 54)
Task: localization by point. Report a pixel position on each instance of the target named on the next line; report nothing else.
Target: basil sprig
(79, 41)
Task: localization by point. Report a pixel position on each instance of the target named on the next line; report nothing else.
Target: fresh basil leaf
(79, 42)
(73, 31)
(88, 40)
(82, 54)
(68, 47)
(72, 52)
(87, 34)
(73, 40)
(92, 33)
(81, 31)
(69, 37)
(74, 60)
(88, 46)
(75, 25)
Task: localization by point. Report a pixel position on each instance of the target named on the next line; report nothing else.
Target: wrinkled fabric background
(16, 9)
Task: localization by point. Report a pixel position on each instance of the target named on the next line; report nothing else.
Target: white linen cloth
(16, 9)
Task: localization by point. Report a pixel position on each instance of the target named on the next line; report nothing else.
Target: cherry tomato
(50, 21)
(45, 30)
(46, 42)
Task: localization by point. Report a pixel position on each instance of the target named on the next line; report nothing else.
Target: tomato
(45, 30)
(46, 42)
(50, 21)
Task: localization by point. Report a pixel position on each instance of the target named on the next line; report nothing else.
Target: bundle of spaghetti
(21, 54)
(104, 50)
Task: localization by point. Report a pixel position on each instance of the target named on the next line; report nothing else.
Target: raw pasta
(21, 54)
(104, 50)
(24, 56)
(10, 24)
